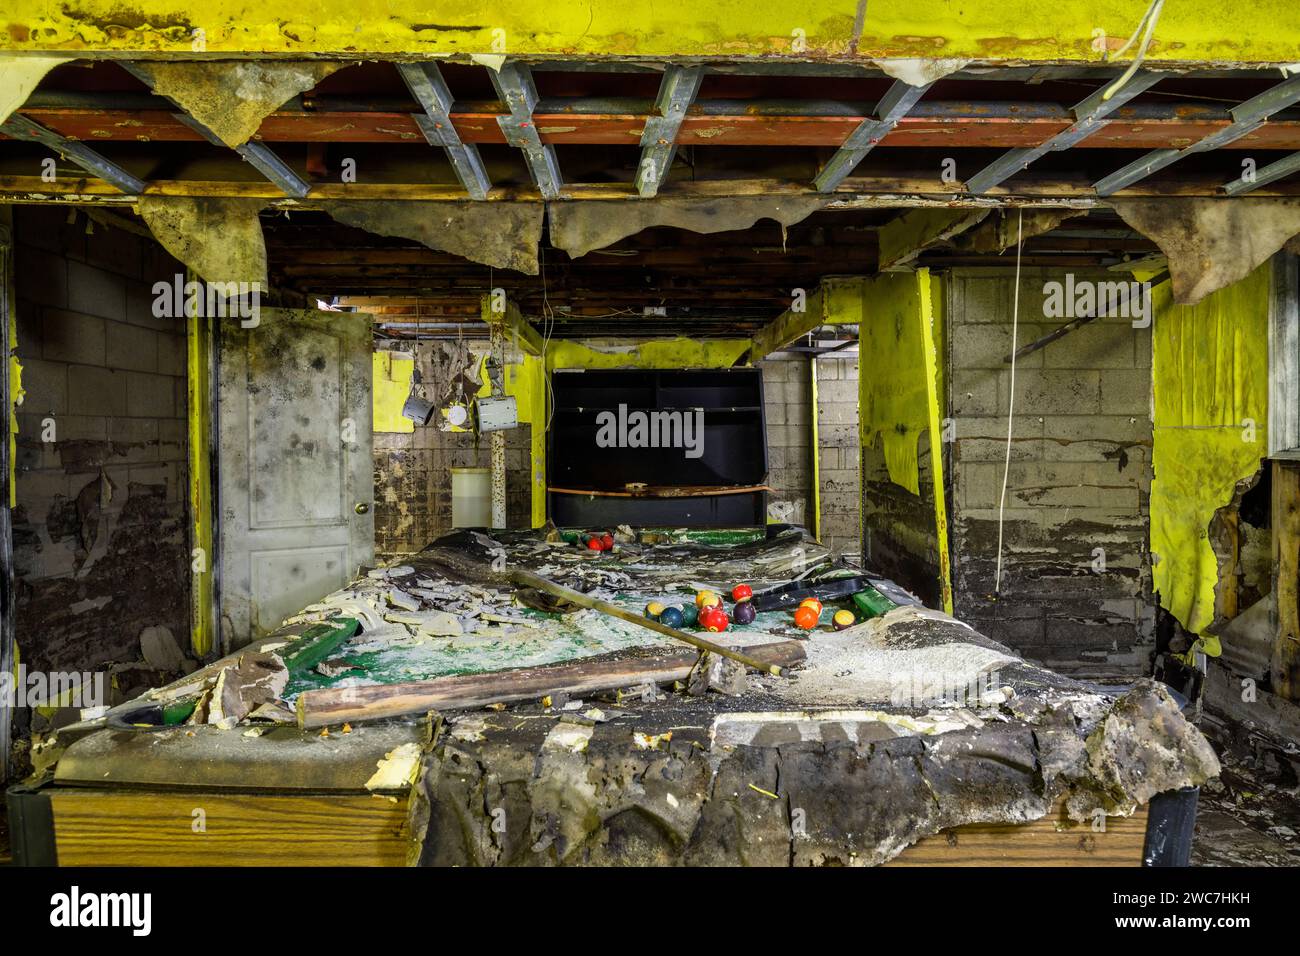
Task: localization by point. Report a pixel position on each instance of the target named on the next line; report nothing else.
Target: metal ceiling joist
(514, 84)
(1269, 174)
(430, 90)
(1089, 116)
(677, 90)
(1248, 116)
(893, 106)
(258, 155)
(20, 127)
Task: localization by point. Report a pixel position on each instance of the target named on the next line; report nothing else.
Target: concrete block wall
(1076, 585)
(413, 472)
(840, 442)
(787, 403)
(100, 531)
(787, 407)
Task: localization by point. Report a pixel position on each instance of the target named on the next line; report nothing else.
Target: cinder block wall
(413, 472)
(840, 443)
(1079, 482)
(787, 407)
(100, 531)
(787, 402)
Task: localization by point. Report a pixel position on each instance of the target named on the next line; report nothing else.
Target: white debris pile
(399, 602)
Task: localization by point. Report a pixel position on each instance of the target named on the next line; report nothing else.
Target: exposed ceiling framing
(512, 130)
(619, 131)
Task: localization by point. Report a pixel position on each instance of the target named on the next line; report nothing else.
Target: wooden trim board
(1037, 843)
(152, 828)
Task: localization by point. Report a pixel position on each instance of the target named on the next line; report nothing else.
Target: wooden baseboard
(149, 828)
(1045, 842)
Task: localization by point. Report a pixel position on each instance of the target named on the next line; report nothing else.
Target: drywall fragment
(493, 61)
(919, 72)
(580, 227)
(504, 235)
(19, 75)
(232, 98)
(1212, 243)
(159, 648)
(397, 770)
(568, 736)
(220, 239)
(255, 679)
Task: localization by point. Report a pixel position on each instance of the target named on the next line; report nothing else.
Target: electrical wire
(548, 329)
(1011, 402)
(1149, 18)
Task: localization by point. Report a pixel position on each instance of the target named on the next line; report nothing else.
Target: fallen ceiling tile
(919, 72)
(1212, 243)
(580, 227)
(504, 235)
(231, 99)
(220, 239)
(19, 75)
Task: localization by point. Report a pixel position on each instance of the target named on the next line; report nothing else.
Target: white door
(296, 475)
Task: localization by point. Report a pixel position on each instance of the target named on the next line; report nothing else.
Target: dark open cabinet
(715, 482)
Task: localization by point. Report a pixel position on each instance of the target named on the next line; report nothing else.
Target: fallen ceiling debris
(1212, 243)
(578, 228)
(504, 235)
(220, 239)
(232, 98)
(19, 75)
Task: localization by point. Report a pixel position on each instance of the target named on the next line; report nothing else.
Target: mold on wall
(100, 533)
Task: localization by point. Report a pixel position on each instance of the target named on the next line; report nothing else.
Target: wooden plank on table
(319, 708)
(1037, 843)
(151, 828)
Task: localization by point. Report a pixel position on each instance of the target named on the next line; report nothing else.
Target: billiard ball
(714, 619)
(744, 613)
(813, 603)
(654, 609)
(672, 616)
(707, 598)
(843, 619)
(805, 617)
(741, 592)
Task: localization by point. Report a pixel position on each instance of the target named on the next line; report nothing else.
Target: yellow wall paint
(900, 391)
(1189, 30)
(657, 353)
(894, 398)
(1210, 378)
(392, 385)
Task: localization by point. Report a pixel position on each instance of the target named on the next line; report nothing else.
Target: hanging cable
(1011, 402)
(1149, 18)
